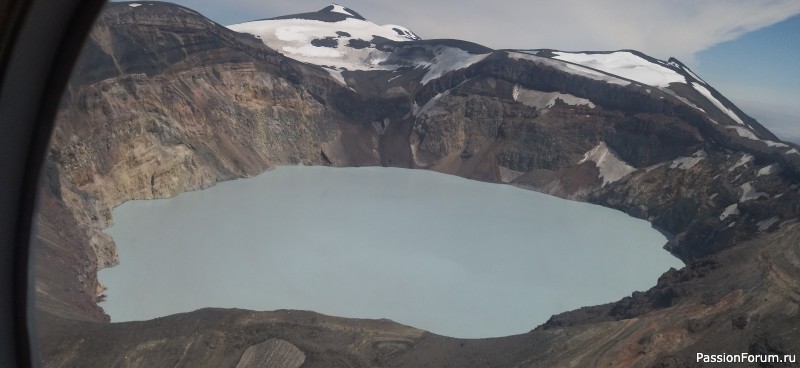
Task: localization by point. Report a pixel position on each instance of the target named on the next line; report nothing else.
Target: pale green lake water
(453, 256)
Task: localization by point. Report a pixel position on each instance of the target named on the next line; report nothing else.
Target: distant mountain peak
(336, 8)
(332, 13)
(335, 37)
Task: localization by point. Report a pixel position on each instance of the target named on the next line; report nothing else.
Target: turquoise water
(452, 256)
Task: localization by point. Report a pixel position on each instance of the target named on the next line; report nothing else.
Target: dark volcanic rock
(326, 14)
(325, 42)
(358, 43)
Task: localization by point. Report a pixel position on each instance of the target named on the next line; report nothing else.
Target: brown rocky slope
(166, 101)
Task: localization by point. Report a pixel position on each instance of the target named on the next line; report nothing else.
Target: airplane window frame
(40, 43)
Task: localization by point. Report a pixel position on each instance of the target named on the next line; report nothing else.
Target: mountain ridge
(671, 63)
(331, 13)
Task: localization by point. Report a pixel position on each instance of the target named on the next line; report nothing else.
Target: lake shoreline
(439, 267)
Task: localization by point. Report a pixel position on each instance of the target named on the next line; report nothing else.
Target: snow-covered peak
(340, 9)
(675, 63)
(403, 31)
(335, 36)
(331, 13)
(625, 64)
(630, 67)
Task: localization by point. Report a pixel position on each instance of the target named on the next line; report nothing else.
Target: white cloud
(658, 28)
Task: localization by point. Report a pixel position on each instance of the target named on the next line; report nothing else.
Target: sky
(749, 50)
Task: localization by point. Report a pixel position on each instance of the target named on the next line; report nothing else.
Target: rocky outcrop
(272, 353)
(165, 101)
(128, 132)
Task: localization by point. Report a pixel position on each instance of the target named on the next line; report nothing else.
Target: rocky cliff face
(166, 101)
(140, 125)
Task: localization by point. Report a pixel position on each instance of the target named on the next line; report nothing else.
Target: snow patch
(713, 196)
(792, 151)
(687, 102)
(292, 33)
(686, 163)
(626, 65)
(340, 9)
(134, 5)
(336, 74)
(570, 100)
(293, 38)
(743, 132)
(311, 51)
(774, 144)
(406, 32)
(750, 193)
(705, 92)
(611, 167)
(769, 169)
(542, 100)
(746, 158)
(586, 72)
(569, 68)
(764, 225)
(428, 107)
(729, 211)
(687, 70)
(447, 59)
